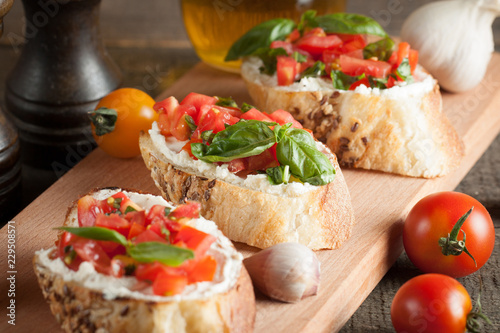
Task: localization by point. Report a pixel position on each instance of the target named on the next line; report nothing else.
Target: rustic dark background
(148, 42)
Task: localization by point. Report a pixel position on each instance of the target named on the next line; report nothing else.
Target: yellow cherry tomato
(118, 120)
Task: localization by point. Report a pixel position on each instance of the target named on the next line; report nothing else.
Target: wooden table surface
(154, 52)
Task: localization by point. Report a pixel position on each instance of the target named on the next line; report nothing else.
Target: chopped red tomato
(179, 127)
(390, 82)
(202, 270)
(167, 284)
(293, 36)
(318, 32)
(198, 100)
(138, 217)
(237, 165)
(127, 205)
(122, 265)
(413, 60)
(264, 160)
(135, 230)
(356, 84)
(89, 250)
(286, 70)
(347, 38)
(190, 210)
(150, 271)
(282, 117)
(166, 110)
(88, 208)
(287, 46)
(403, 52)
(149, 236)
(195, 138)
(114, 222)
(255, 114)
(354, 67)
(194, 239)
(315, 45)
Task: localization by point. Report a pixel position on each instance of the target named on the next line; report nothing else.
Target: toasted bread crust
(79, 309)
(371, 131)
(320, 219)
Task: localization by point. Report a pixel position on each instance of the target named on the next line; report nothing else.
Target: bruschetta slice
(261, 178)
(344, 78)
(131, 262)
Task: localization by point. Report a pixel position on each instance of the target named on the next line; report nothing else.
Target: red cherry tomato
(434, 217)
(431, 303)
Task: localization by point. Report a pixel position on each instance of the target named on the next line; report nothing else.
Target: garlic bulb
(287, 272)
(454, 40)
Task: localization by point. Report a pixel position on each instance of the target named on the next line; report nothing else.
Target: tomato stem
(451, 245)
(474, 317)
(104, 120)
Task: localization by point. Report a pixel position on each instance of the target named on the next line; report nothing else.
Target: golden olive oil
(214, 25)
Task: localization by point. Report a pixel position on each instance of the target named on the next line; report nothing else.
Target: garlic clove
(454, 40)
(287, 272)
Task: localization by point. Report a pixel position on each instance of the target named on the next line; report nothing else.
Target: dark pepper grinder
(10, 165)
(63, 71)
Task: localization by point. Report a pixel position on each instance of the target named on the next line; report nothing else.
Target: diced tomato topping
(285, 45)
(293, 36)
(114, 222)
(347, 38)
(390, 82)
(315, 45)
(354, 67)
(237, 165)
(255, 114)
(150, 271)
(157, 212)
(356, 84)
(282, 117)
(194, 139)
(149, 236)
(403, 51)
(88, 208)
(138, 217)
(135, 230)
(264, 160)
(286, 70)
(190, 209)
(167, 284)
(318, 32)
(179, 125)
(202, 270)
(413, 60)
(194, 239)
(89, 250)
(166, 110)
(198, 100)
(127, 204)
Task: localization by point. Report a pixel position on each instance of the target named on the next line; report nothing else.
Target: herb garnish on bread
(370, 102)
(261, 178)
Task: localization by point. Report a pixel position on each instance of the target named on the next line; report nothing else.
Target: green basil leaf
(280, 131)
(343, 81)
(297, 149)
(246, 107)
(345, 23)
(130, 209)
(190, 122)
(404, 71)
(298, 57)
(243, 139)
(207, 136)
(226, 101)
(278, 175)
(167, 211)
(269, 59)
(316, 70)
(376, 82)
(305, 20)
(381, 49)
(166, 254)
(260, 36)
(97, 233)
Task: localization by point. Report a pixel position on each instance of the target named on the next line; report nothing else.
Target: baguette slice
(320, 217)
(86, 301)
(399, 130)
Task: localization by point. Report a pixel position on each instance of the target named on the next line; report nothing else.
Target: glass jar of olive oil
(214, 25)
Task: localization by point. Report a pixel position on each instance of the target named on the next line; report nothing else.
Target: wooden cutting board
(381, 202)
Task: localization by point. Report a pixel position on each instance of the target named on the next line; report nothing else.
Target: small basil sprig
(345, 23)
(317, 69)
(381, 49)
(404, 71)
(243, 139)
(278, 175)
(343, 81)
(167, 254)
(246, 107)
(260, 36)
(226, 101)
(297, 149)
